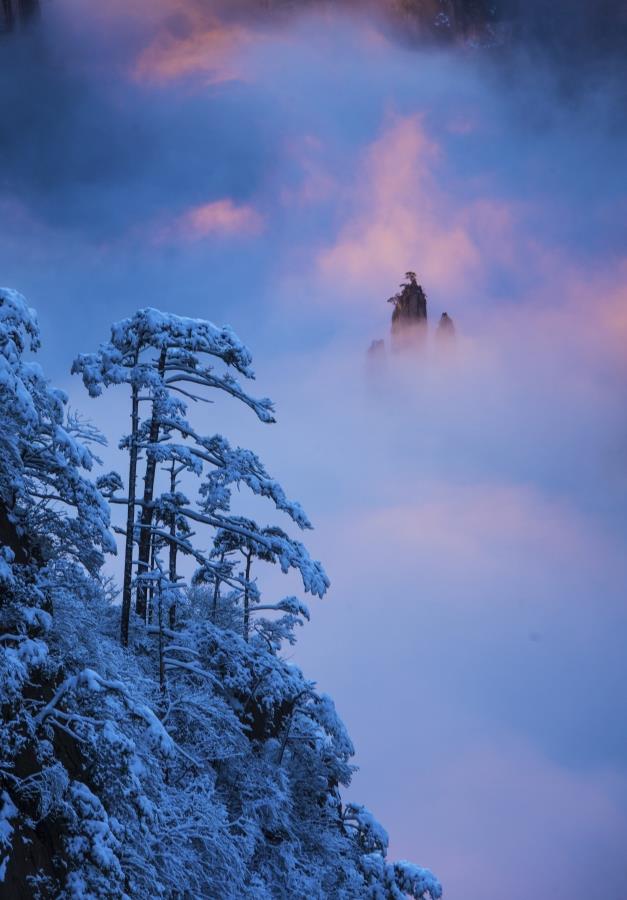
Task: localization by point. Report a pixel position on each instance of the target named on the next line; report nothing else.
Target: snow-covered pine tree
(159, 355)
(54, 530)
(42, 456)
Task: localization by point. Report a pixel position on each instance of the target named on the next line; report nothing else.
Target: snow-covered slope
(196, 762)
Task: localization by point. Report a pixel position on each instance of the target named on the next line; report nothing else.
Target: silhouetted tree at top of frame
(14, 12)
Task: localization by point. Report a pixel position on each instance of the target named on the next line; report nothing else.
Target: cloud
(506, 821)
(401, 219)
(218, 217)
(189, 45)
(469, 509)
(316, 185)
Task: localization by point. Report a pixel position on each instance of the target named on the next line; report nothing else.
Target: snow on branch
(289, 553)
(90, 680)
(118, 360)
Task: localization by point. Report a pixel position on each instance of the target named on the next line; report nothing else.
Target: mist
(280, 175)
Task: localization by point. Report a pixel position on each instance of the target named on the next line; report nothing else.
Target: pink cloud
(505, 821)
(219, 217)
(317, 185)
(189, 44)
(400, 219)
(598, 303)
(575, 315)
(178, 39)
(462, 521)
(462, 544)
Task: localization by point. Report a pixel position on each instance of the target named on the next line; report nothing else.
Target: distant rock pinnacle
(409, 318)
(409, 322)
(446, 327)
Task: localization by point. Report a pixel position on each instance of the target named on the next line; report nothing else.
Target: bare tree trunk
(216, 594)
(288, 727)
(29, 10)
(8, 15)
(173, 548)
(130, 516)
(284, 740)
(460, 17)
(150, 596)
(161, 659)
(145, 534)
(249, 559)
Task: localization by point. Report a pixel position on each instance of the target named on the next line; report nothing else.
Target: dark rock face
(476, 21)
(26, 550)
(410, 304)
(409, 323)
(446, 327)
(376, 349)
(409, 318)
(575, 32)
(571, 31)
(467, 18)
